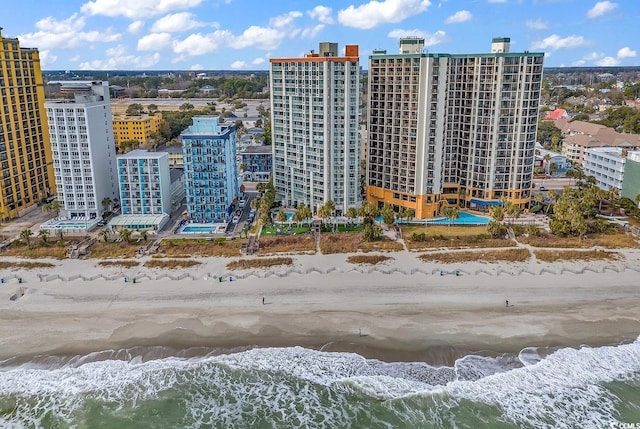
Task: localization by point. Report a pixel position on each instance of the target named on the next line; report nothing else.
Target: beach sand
(420, 316)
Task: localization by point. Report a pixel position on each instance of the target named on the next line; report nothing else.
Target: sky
(244, 34)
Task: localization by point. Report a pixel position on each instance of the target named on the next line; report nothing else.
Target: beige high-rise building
(314, 107)
(454, 128)
(25, 152)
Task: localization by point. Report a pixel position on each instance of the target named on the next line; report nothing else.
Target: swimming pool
(465, 218)
(68, 225)
(202, 229)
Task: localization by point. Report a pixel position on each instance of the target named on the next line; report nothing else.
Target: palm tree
(450, 212)
(125, 234)
(25, 234)
(104, 233)
(547, 163)
(106, 203)
(43, 234)
(388, 215)
(497, 213)
(60, 235)
(46, 208)
(513, 210)
(324, 212)
(352, 213)
(55, 207)
(281, 216)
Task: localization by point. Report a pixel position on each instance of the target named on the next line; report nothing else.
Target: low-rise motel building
(136, 127)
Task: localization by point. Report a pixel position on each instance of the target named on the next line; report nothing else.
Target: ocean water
(302, 388)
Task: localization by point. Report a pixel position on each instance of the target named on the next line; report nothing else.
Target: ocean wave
(561, 389)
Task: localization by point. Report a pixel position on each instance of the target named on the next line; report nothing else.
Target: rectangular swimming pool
(202, 229)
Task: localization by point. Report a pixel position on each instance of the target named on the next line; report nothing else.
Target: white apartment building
(459, 128)
(606, 164)
(314, 107)
(83, 149)
(144, 182)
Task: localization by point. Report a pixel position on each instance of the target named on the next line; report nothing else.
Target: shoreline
(402, 317)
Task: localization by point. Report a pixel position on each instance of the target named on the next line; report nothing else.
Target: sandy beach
(399, 316)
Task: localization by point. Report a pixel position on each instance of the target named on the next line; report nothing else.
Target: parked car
(241, 203)
(102, 223)
(236, 219)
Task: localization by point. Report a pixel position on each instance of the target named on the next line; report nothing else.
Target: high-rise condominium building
(210, 169)
(25, 153)
(454, 128)
(314, 108)
(84, 154)
(145, 182)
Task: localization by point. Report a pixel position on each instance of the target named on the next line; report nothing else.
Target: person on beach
(263, 300)
(506, 303)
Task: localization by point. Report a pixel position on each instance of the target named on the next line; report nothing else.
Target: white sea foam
(299, 382)
(565, 388)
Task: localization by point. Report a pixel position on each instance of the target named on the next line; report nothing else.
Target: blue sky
(244, 34)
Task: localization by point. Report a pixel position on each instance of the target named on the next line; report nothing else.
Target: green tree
(106, 203)
(302, 213)
(44, 235)
(388, 215)
(104, 233)
(281, 216)
(25, 234)
(152, 108)
(497, 213)
(135, 109)
(450, 212)
(185, 107)
(125, 234)
(56, 205)
(266, 135)
(352, 213)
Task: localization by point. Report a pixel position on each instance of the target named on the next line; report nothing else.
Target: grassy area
(444, 230)
(246, 264)
(609, 241)
(575, 255)
(171, 263)
(287, 244)
(456, 237)
(38, 249)
(102, 250)
(118, 263)
(368, 259)
(5, 265)
(489, 256)
(277, 230)
(184, 247)
(351, 242)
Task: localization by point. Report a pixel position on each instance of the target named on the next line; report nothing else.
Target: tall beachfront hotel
(83, 148)
(25, 153)
(459, 128)
(314, 109)
(210, 169)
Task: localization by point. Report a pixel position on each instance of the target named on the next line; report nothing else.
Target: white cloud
(555, 42)
(236, 65)
(284, 20)
(429, 39)
(259, 37)
(47, 58)
(154, 42)
(601, 8)
(258, 61)
(136, 9)
(75, 58)
(196, 67)
(65, 34)
(608, 62)
(322, 14)
(312, 32)
(497, 1)
(626, 52)
(459, 16)
(118, 58)
(135, 26)
(374, 13)
(593, 56)
(199, 44)
(537, 24)
(172, 23)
